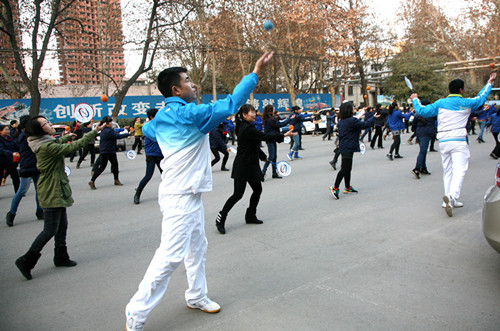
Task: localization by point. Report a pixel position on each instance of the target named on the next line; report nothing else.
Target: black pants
(496, 150)
(378, 134)
(11, 169)
(151, 162)
(395, 145)
(55, 224)
(239, 190)
(89, 148)
(345, 170)
(215, 152)
(137, 143)
(104, 162)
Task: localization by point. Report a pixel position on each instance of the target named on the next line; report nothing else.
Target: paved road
(386, 259)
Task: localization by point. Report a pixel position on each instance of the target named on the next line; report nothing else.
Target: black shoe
(397, 156)
(493, 155)
(389, 156)
(277, 176)
(39, 214)
(416, 173)
(251, 218)
(137, 196)
(424, 172)
(61, 258)
(26, 263)
(224, 169)
(220, 221)
(432, 150)
(9, 218)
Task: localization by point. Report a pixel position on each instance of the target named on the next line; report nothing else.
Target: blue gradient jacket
(452, 113)
(181, 129)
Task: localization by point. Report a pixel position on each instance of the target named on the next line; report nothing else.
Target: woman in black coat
(349, 131)
(246, 167)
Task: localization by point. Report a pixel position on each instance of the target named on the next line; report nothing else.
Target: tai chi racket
(362, 148)
(83, 112)
(408, 83)
(283, 168)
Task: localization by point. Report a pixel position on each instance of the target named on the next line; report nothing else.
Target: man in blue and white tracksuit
(452, 113)
(181, 129)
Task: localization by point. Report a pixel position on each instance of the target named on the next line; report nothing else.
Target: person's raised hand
(99, 127)
(414, 96)
(493, 76)
(263, 62)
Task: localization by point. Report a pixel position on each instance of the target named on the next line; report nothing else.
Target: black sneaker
(334, 165)
(9, 218)
(220, 222)
(416, 173)
(397, 156)
(424, 172)
(389, 156)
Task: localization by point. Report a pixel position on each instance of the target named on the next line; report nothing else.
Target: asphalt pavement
(388, 258)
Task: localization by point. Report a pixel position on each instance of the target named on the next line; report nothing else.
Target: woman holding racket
(272, 125)
(349, 130)
(246, 168)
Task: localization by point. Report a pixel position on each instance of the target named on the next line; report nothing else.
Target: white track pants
(182, 239)
(455, 158)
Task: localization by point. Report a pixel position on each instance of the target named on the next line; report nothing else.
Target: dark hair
(268, 113)
(13, 122)
(295, 108)
(168, 78)
(239, 116)
(455, 86)
(152, 113)
(106, 119)
(393, 106)
(2, 126)
(345, 110)
(425, 102)
(34, 128)
(22, 121)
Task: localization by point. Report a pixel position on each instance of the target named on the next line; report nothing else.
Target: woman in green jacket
(54, 193)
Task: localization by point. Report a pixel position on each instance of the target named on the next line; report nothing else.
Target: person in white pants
(452, 113)
(181, 129)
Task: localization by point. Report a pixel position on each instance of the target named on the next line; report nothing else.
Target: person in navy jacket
(424, 129)
(217, 145)
(349, 128)
(153, 158)
(8, 149)
(107, 149)
(495, 130)
(27, 171)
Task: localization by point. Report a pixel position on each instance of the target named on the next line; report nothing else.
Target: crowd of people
(179, 138)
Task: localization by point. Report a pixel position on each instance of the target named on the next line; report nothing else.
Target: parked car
(60, 128)
(120, 143)
(491, 213)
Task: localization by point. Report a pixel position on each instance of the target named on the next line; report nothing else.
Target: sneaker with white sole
(449, 204)
(458, 204)
(132, 324)
(205, 305)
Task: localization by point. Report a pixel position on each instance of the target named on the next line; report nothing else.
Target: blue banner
(62, 109)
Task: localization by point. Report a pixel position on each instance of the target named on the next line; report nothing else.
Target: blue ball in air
(268, 25)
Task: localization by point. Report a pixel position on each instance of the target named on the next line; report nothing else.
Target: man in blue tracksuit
(181, 129)
(452, 113)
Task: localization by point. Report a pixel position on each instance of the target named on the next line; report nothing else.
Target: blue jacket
(424, 127)
(107, 144)
(258, 123)
(27, 161)
(7, 146)
(228, 125)
(395, 120)
(152, 148)
(273, 126)
(349, 130)
(216, 138)
(495, 123)
(297, 120)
